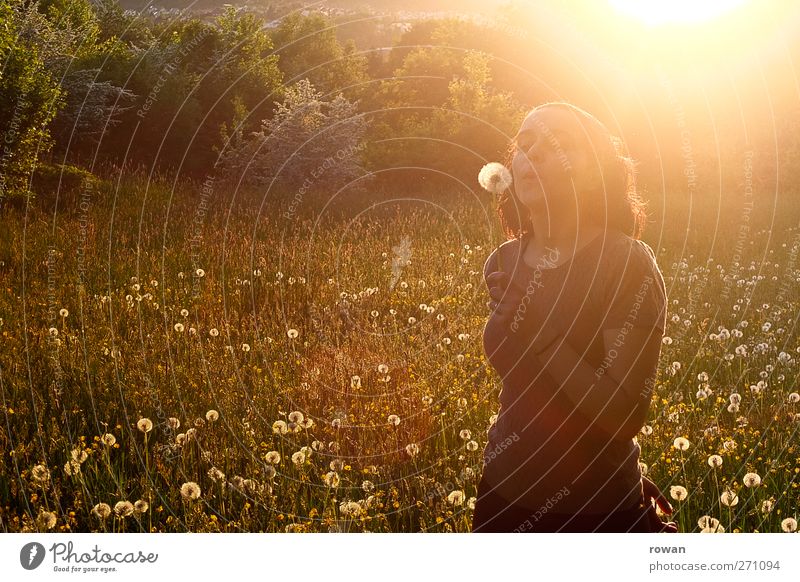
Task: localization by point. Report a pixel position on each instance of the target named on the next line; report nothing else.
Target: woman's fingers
(496, 293)
(497, 278)
(651, 491)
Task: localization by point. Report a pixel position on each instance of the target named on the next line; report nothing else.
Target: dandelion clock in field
(494, 177)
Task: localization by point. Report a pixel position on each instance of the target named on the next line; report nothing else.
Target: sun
(661, 12)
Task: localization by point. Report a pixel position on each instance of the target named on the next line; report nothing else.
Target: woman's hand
(510, 304)
(653, 493)
(499, 294)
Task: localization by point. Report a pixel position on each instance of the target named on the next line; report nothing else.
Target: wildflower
(123, 508)
(279, 427)
(102, 510)
(173, 423)
(681, 443)
(245, 347)
(465, 434)
(471, 446)
(412, 449)
(367, 485)
(141, 506)
(336, 465)
(355, 382)
(190, 490)
(145, 425)
(79, 455)
(215, 474)
(108, 439)
(643, 468)
(40, 473)
(678, 492)
(752, 480)
(393, 419)
(212, 415)
(789, 525)
(332, 479)
(292, 333)
(729, 498)
(296, 416)
(200, 273)
(715, 461)
(767, 505)
(794, 397)
(63, 312)
(72, 467)
(708, 522)
(456, 497)
(350, 508)
(213, 332)
(46, 520)
(647, 430)
(299, 458)
(383, 368)
(495, 177)
(185, 312)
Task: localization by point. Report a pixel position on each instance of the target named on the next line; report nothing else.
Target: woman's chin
(532, 198)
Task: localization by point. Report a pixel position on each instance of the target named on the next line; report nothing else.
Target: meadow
(187, 359)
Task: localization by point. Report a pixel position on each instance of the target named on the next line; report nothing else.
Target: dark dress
(546, 466)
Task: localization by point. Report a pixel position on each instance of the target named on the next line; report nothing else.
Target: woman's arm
(617, 397)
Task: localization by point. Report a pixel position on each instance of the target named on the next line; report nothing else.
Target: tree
(29, 98)
(308, 48)
(310, 143)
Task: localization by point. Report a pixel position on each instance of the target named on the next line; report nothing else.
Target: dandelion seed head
(123, 508)
(102, 510)
(495, 177)
(751, 480)
(678, 492)
(729, 498)
(190, 490)
(145, 425)
(681, 443)
(456, 497)
(46, 520)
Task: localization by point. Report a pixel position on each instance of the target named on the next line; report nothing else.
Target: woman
(579, 310)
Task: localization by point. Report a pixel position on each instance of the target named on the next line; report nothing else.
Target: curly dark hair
(616, 203)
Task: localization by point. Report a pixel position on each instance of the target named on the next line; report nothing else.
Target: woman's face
(550, 161)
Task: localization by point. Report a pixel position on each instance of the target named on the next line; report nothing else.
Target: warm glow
(657, 12)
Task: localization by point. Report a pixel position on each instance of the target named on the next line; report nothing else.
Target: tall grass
(305, 438)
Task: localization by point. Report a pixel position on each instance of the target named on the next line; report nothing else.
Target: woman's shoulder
(507, 250)
(625, 248)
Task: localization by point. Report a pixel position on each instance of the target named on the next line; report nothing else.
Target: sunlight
(660, 12)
